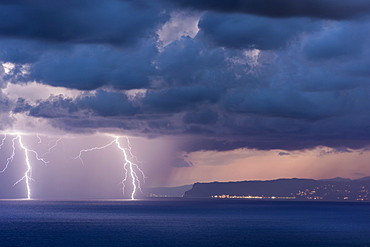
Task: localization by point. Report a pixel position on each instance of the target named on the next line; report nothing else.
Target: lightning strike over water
(129, 166)
(132, 172)
(28, 173)
(131, 169)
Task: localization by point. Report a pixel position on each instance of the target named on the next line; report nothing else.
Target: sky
(204, 90)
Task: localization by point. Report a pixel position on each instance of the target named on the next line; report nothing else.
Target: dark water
(181, 222)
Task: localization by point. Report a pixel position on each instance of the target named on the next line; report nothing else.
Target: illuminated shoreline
(255, 197)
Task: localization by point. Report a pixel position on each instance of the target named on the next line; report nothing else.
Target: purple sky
(206, 90)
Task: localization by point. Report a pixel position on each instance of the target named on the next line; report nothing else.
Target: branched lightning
(55, 144)
(28, 173)
(11, 157)
(129, 166)
(127, 154)
(79, 156)
(132, 172)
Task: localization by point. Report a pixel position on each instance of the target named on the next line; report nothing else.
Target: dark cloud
(108, 104)
(335, 151)
(258, 74)
(283, 103)
(287, 103)
(20, 51)
(81, 44)
(283, 153)
(201, 117)
(179, 162)
(342, 40)
(190, 61)
(326, 9)
(55, 106)
(82, 21)
(267, 129)
(179, 99)
(5, 104)
(102, 104)
(83, 67)
(21, 106)
(248, 31)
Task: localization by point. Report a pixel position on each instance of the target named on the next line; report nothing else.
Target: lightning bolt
(11, 157)
(55, 144)
(2, 141)
(129, 166)
(38, 137)
(79, 156)
(28, 173)
(51, 144)
(132, 172)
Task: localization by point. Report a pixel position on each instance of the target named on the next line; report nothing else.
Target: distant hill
(294, 189)
(167, 191)
(337, 179)
(363, 179)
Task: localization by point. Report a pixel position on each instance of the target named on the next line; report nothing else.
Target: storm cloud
(257, 74)
(248, 31)
(112, 22)
(325, 9)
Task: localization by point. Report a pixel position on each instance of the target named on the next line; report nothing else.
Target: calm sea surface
(183, 222)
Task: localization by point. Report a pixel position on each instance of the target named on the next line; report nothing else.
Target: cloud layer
(286, 75)
(323, 9)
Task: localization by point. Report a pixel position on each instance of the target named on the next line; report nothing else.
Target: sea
(183, 222)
